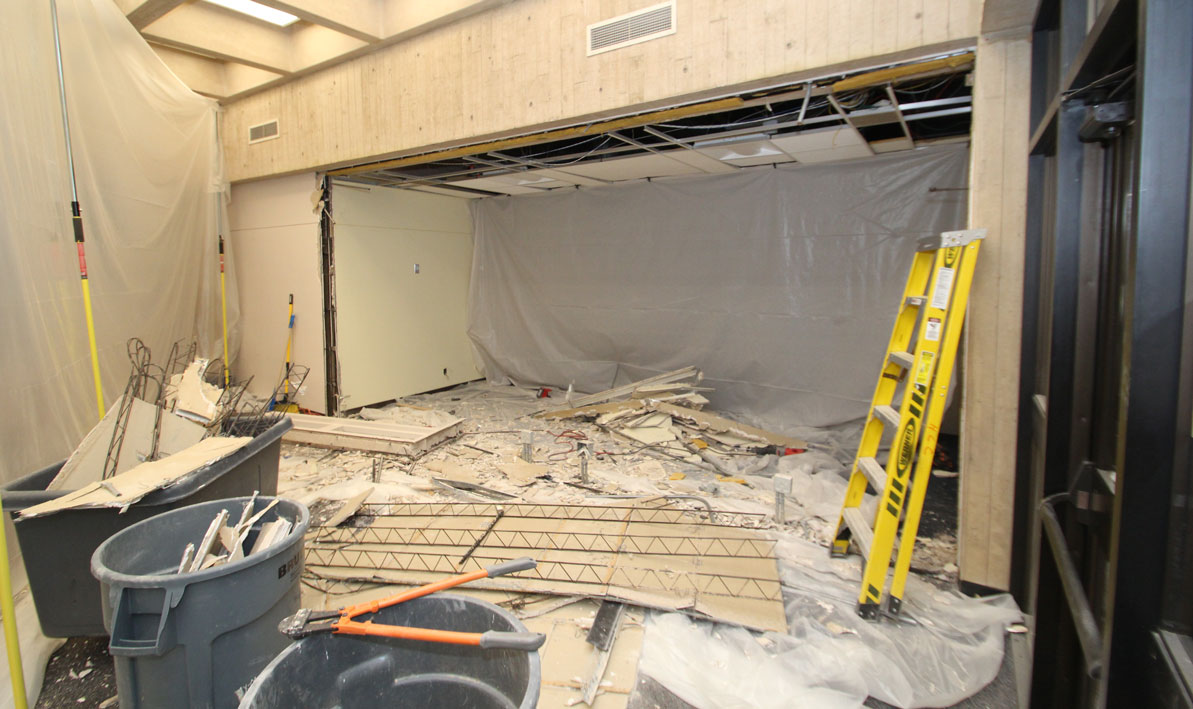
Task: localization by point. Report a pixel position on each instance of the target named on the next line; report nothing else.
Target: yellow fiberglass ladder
(920, 355)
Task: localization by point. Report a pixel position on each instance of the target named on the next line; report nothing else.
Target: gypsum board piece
(188, 555)
(350, 507)
(208, 541)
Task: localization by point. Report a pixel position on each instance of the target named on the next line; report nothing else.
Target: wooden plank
(375, 436)
(904, 72)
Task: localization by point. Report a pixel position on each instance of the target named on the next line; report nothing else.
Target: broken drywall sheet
(192, 396)
(128, 487)
(86, 464)
(349, 508)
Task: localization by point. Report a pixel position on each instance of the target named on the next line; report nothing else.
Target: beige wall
(989, 418)
(399, 332)
(275, 242)
(523, 64)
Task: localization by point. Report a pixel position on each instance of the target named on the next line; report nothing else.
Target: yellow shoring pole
(76, 219)
(289, 344)
(12, 642)
(224, 312)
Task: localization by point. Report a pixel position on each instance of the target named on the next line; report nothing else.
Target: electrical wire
(546, 163)
(919, 89)
(570, 146)
(854, 100)
(744, 122)
(1071, 93)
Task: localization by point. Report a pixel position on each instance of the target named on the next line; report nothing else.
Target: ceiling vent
(645, 24)
(263, 131)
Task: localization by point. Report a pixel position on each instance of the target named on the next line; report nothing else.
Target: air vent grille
(263, 131)
(648, 23)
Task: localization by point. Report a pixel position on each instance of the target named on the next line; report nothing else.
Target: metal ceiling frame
(677, 131)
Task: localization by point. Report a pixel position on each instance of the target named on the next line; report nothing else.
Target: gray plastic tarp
(781, 284)
(150, 180)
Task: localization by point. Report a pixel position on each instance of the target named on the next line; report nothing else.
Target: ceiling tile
(496, 184)
(819, 139)
(754, 152)
(892, 145)
(634, 168)
(847, 152)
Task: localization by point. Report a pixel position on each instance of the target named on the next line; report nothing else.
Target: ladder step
(903, 359)
(873, 472)
(860, 529)
(888, 414)
(916, 299)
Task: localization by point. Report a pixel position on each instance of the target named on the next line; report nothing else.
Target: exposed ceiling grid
(903, 107)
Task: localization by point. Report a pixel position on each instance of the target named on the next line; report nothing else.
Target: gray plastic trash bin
(57, 548)
(325, 671)
(195, 639)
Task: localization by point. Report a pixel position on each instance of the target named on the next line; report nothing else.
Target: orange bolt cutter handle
(306, 621)
(488, 639)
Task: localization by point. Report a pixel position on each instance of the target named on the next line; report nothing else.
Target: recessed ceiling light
(259, 11)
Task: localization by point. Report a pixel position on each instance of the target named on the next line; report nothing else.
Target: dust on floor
(488, 453)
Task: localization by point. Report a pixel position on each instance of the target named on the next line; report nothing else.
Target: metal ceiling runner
(835, 118)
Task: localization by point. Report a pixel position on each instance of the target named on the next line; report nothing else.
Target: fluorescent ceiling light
(259, 11)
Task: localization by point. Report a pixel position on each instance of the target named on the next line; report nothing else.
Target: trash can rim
(117, 578)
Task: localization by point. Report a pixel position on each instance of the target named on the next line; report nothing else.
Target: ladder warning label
(932, 330)
(924, 373)
(944, 286)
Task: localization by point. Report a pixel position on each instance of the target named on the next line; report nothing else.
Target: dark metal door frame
(1103, 524)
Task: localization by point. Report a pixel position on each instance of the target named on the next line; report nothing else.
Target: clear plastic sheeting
(150, 185)
(780, 284)
(950, 647)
